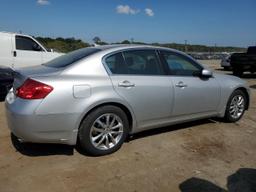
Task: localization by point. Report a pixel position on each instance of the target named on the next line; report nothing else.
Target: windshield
(69, 58)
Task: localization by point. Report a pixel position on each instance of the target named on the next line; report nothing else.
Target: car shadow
(175, 127)
(243, 180)
(156, 131)
(34, 149)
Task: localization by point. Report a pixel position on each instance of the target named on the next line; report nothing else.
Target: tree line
(69, 44)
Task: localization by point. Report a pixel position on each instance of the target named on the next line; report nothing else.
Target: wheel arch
(127, 110)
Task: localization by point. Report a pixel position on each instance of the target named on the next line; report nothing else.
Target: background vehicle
(18, 50)
(6, 80)
(100, 95)
(242, 62)
(225, 62)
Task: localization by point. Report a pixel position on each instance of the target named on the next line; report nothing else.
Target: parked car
(242, 62)
(225, 62)
(97, 96)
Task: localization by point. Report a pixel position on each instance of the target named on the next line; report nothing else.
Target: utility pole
(186, 48)
(132, 40)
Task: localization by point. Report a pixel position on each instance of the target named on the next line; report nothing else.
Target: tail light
(32, 89)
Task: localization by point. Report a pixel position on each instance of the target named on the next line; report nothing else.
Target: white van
(18, 50)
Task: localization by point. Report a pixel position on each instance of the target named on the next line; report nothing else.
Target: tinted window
(180, 65)
(143, 62)
(116, 64)
(71, 57)
(25, 43)
(140, 62)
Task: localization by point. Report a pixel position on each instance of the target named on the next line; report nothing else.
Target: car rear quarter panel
(63, 101)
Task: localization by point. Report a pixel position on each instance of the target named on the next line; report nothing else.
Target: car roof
(121, 46)
(117, 47)
(12, 33)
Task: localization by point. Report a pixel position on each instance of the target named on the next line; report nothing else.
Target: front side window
(138, 62)
(180, 65)
(25, 43)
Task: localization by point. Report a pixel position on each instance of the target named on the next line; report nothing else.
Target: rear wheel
(236, 106)
(103, 131)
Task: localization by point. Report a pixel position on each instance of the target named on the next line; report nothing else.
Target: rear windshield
(69, 58)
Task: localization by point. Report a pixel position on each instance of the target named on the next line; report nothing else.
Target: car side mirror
(206, 73)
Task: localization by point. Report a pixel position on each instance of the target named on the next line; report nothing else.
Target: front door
(193, 94)
(27, 52)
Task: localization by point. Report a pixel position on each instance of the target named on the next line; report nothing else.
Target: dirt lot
(199, 156)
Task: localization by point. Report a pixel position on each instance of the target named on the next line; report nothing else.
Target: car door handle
(126, 84)
(181, 85)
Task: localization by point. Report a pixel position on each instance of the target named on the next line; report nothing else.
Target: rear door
(138, 77)
(27, 52)
(193, 95)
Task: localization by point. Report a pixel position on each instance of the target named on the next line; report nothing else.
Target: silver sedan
(97, 96)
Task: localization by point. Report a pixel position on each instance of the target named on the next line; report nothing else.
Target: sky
(206, 22)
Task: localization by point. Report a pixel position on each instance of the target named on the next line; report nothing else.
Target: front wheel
(236, 106)
(103, 131)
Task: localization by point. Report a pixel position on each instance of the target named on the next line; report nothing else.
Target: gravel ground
(205, 155)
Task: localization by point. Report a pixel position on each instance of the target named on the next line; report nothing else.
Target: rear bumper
(37, 128)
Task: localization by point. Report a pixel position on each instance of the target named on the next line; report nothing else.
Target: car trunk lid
(22, 74)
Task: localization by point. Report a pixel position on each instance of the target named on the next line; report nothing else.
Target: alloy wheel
(106, 131)
(237, 106)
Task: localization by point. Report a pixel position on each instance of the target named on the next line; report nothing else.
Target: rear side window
(180, 65)
(25, 43)
(70, 58)
(116, 64)
(138, 62)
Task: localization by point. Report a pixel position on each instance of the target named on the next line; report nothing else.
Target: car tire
(236, 106)
(98, 135)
